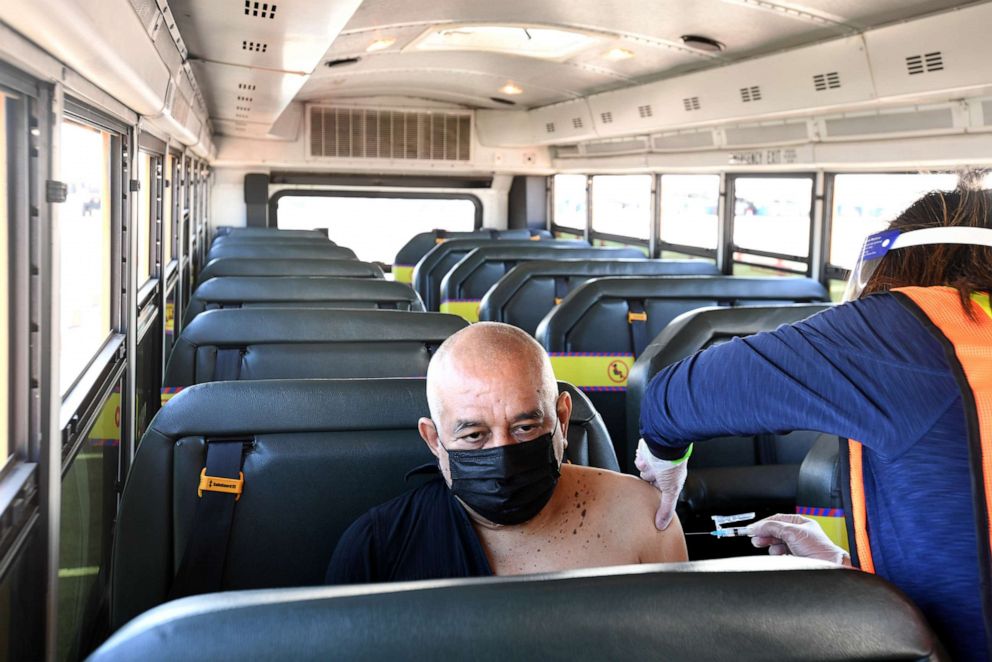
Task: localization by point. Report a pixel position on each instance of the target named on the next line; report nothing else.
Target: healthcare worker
(903, 370)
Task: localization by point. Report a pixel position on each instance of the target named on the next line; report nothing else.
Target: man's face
(486, 406)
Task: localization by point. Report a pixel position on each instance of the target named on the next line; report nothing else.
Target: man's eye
(471, 437)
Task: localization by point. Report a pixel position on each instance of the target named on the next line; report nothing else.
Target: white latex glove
(797, 535)
(668, 477)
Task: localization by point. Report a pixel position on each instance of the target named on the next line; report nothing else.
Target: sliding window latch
(55, 191)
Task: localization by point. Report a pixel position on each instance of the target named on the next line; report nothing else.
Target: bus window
(866, 203)
(85, 238)
(621, 205)
(5, 450)
(89, 502)
(375, 227)
(771, 224)
(570, 202)
(689, 211)
(168, 182)
(146, 196)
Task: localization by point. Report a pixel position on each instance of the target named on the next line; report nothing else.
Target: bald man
(503, 502)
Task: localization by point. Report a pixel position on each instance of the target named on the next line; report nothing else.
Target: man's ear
(564, 408)
(428, 432)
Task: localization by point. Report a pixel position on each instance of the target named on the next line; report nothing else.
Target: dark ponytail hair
(964, 267)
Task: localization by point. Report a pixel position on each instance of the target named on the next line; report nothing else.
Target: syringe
(729, 532)
(732, 532)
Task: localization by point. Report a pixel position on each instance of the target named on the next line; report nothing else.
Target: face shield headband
(876, 246)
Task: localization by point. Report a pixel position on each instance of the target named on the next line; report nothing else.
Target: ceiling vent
(242, 109)
(244, 99)
(823, 82)
(246, 86)
(549, 127)
(691, 103)
(577, 123)
(607, 117)
(254, 46)
(645, 111)
(260, 9)
(389, 134)
(749, 94)
(919, 64)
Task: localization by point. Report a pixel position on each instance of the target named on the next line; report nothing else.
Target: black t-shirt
(422, 534)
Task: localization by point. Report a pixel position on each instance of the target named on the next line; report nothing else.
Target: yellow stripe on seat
(593, 371)
(467, 309)
(402, 273)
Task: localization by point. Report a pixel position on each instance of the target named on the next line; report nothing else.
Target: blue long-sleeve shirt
(870, 371)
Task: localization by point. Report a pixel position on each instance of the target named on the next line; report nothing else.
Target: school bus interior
(238, 230)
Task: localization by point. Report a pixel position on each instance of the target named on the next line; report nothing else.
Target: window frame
(730, 248)
(19, 471)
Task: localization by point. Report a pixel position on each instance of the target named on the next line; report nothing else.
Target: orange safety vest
(967, 344)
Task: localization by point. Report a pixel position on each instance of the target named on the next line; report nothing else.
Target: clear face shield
(877, 245)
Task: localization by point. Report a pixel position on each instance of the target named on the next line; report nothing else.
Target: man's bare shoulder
(614, 489)
(631, 503)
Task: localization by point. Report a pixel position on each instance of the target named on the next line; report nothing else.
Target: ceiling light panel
(523, 40)
(380, 44)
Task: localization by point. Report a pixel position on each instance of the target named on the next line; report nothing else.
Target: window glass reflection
(867, 203)
(689, 210)
(89, 502)
(85, 241)
(621, 205)
(772, 214)
(570, 201)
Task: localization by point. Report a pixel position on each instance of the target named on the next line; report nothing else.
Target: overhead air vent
(244, 99)
(242, 109)
(749, 94)
(645, 111)
(577, 123)
(249, 87)
(678, 142)
(549, 127)
(260, 9)
(606, 117)
(691, 103)
(625, 146)
(254, 46)
(936, 120)
(920, 64)
(823, 82)
(366, 133)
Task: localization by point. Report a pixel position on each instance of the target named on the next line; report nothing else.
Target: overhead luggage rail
(738, 610)
(531, 289)
(433, 267)
(598, 330)
(421, 244)
(236, 266)
(312, 455)
(263, 251)
(300, 292)
(744, 473)
(466, 283)
(260, 343)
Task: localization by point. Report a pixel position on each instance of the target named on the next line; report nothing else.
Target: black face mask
(507, 484)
